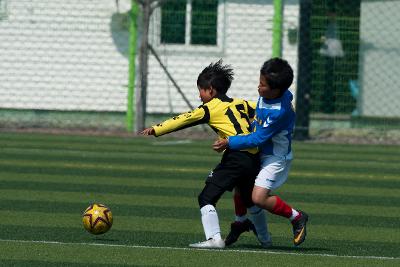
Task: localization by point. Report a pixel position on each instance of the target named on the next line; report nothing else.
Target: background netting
(64, 64)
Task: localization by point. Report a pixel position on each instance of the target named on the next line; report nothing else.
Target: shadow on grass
(281, 248)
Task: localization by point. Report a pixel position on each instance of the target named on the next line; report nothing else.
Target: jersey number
(232, 118)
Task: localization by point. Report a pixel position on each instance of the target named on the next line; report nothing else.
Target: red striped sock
(281, 208)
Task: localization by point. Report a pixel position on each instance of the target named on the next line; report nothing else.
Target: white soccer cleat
(210, 243)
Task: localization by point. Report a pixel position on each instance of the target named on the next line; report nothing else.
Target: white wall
(380, 59)
(62, 55)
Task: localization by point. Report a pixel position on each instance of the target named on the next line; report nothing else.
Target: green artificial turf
(351, 192)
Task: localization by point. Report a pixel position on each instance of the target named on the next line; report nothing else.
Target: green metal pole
(277, 29)
(132, 67)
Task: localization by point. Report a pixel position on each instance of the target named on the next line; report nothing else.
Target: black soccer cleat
(237, 228)
(299, 228)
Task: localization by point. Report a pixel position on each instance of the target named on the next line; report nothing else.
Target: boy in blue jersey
(272, 130)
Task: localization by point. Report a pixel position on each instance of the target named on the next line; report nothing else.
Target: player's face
(265, 90)
(263, 87)
(205, 95)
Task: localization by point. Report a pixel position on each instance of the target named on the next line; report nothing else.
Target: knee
(203, 200)
(258, 198)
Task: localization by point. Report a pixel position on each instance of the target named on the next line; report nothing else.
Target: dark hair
(278, 73)
(217, 76)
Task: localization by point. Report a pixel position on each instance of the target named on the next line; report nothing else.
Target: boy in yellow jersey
(238, 168)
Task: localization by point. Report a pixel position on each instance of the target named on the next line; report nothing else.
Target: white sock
(294, 214)
(209, 218)
(240, 218)
(258, 218)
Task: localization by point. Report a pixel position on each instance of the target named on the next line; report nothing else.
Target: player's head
(276, 76)
(216, 78)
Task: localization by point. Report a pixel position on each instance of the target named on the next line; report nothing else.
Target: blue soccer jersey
(272, 127)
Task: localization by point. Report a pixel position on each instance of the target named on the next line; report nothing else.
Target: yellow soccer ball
(97, 219)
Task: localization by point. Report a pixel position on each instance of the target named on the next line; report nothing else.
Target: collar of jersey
(223, 98)
(276, 100)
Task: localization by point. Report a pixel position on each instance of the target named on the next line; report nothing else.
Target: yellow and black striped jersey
(226, 116)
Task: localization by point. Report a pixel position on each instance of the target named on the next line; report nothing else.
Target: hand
(220, 145)
(148, 131)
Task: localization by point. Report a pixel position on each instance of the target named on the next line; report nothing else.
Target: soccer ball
(97, 219)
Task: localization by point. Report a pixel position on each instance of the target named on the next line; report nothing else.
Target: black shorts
(236, 169)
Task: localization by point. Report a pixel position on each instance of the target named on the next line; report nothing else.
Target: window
(173, 20)
(189, 22)
(204, 22)
(3, 9)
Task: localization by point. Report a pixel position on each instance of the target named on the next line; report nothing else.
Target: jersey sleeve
(182, 121)
(261, 135)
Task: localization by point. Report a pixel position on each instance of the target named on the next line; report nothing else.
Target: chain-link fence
(63, 63)
(72, 64)
(351, 87)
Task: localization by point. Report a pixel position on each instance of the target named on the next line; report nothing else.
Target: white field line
(193, 249)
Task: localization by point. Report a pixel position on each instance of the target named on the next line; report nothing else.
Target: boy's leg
(275, 205)
(244, 185)
(240, 207)
(257, 222)
(259, 219)
(209, 217)
(273, 174)
(242, 223)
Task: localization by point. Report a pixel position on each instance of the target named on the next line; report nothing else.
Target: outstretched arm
(179, 122)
